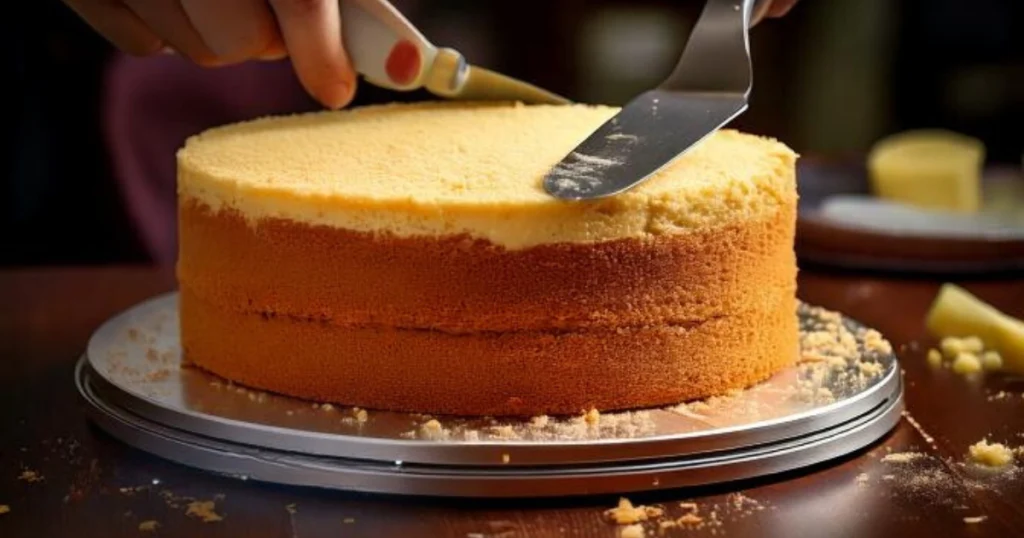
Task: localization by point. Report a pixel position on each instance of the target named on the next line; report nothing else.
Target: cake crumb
(632, 531)
(874, 342)
(592, 417)
(4, 509)
(361, 415)
(808, 356)
(1001, 395)
(150, 525)
(327, 407)
(625, 513)
(688, 506)
(971, 520)
(348, 520)
(291, 508)
(870, 368)
(862, 479)
(204, 511)
(994, 455)
(504, 431)
(433, 430)
(902, 457)
(30, 476)
(920, 429)
(158, 375)
(505, 458)
(690, 519)
(934, 358)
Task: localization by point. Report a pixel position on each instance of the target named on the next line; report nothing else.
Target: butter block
(928, 168)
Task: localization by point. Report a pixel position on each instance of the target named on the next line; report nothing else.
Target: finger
(780, 7)
(168, 20)
(118, 25)
(236, 30)
(312, 35)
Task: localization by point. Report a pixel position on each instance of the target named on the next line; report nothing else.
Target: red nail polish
(403, 63)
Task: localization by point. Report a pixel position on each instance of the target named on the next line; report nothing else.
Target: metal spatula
(390, 52)
(708, 88)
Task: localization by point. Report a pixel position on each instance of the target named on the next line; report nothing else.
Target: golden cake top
(477, 169)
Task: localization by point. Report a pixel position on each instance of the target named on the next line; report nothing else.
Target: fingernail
(339, 96)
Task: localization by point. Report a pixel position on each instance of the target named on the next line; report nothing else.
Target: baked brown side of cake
(453, 325)
(457, 284)
(489, 373)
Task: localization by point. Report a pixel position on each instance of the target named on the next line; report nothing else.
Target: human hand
(222, 32)
(778, 8)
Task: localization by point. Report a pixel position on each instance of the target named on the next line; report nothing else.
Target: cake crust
(461, 326)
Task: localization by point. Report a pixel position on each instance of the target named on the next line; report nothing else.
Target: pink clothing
(153, 104)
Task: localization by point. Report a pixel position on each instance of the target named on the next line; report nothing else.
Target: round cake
(407, 257)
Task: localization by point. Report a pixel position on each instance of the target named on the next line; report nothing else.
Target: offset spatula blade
(648, 133)
(708, 88)
(486, 84)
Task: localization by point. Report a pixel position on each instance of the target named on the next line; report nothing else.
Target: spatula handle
(384, 46)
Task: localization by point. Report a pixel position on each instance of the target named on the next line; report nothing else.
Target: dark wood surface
(46, 316)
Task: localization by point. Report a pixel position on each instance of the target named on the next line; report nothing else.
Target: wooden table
(92, 485)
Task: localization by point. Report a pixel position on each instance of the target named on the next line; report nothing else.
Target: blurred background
(88, 167)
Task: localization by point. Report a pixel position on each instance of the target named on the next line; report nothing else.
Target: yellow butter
(928, 168)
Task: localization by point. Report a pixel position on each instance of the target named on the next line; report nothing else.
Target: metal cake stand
(136, 389)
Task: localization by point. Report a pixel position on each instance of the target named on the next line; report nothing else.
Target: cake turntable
(826, 406)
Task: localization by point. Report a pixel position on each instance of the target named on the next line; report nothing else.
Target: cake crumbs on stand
(150, 525)
(4, 509)
(433, 430)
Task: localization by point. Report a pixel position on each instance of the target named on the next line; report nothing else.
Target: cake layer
(457, 284)
(490, 373)
(449, 169)
(407, 258)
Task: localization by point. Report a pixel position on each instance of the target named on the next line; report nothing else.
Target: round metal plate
(137, 388)
(671, 471)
